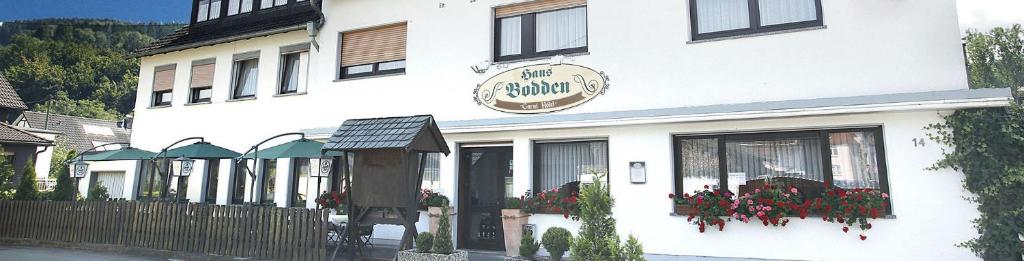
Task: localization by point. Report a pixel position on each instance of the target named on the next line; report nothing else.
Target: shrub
(6, 178)
(513, 203)
(597, 239)
(443, 238)
(424, 241)
(528, 245)
(98, 193)
(429, 198)
(27, 185)
(65, 189)
(556, 240)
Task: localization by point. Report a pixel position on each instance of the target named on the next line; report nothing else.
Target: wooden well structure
(382, 161)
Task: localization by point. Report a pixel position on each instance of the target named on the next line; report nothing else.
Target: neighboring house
(11, 104)
(77, 133)
(725, 93)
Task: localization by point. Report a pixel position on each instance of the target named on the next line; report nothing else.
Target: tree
(27, 185)
(6, 178)
(62, 104)
(598, 239)
(65, 189)
(989, 144)
(443, 237)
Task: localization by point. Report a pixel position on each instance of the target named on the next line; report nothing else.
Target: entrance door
(484, 176)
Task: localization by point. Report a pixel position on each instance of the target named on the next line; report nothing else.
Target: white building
(669, 83)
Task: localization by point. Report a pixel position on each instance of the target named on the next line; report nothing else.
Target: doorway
(485, 174)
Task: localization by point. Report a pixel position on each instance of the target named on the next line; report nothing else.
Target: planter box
(512, 221)
(434, 213)
(412, 255)
(683, 210)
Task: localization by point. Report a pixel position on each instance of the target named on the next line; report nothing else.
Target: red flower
(846, 229)
(863, 237)
(706, 187)
(874, 213)
(671, 195)
(700, 226)
(565, 214)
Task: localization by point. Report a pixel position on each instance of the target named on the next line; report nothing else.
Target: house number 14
(918, 142)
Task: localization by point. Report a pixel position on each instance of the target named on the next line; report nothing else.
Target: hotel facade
(657, 97)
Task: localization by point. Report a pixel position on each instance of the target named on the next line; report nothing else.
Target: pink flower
(785, 195)
(759, 207)
(750, 202)
(751, 209)
(746, 194)
(885, 195)
(768, 208)
(760, 213)
(735, 215)
(793, 190)
(757, 190)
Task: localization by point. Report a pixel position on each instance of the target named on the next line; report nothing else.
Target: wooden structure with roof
(387, 156)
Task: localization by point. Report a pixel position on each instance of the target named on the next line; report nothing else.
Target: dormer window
(239, 6)
(208, 10)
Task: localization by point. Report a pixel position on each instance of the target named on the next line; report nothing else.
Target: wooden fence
(237, 231)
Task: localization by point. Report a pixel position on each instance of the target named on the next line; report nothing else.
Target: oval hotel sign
(541, 88)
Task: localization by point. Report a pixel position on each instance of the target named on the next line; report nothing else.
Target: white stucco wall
(129, 167)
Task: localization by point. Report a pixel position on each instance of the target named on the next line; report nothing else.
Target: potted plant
(528, 248)
(441, 249)
(334, 202)
(849, 207)
(513, 217)
(556, 240)
(433, 202)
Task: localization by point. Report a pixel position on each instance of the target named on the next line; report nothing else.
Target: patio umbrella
(126, 153)
(201, 150)
(301, 148)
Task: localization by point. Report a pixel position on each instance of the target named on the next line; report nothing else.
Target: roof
(81, 133)
(820, 106)
(127, 153)
(8, 97)
(192, 36)
(14, 135)
(408, 133)
(301, 148)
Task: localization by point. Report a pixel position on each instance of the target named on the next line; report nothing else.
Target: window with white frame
(244, 75)
(557, 163)
(293, 69)
(540, 28)
(208, 10)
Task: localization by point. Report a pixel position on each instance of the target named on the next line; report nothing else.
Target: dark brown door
(483, 176)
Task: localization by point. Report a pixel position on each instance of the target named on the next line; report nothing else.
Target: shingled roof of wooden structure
(412, 133)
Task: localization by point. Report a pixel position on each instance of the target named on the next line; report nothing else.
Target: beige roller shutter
(535, 6)
(163, 78)
(202, 75)
(373, 45)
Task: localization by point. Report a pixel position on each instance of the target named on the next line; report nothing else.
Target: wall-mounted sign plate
(541, 88)
(638, 172)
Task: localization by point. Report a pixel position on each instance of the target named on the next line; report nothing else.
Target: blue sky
(129, 10)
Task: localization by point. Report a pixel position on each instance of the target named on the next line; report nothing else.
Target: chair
(365, 234)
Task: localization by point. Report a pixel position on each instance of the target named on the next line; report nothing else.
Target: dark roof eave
(218, 41)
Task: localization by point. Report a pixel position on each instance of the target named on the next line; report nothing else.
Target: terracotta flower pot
(512, 221)
(435, 216)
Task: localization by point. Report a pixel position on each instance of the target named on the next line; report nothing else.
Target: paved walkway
(20, 253)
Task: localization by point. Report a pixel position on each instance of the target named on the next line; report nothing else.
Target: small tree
(443, 238)
(424, 241)
(27, 185)
(65, 188)
(598, 239)
(556, 240)
(6, 177)
(98, 193)
(528, 245)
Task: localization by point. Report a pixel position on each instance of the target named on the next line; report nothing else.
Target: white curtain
(204, 11)
(787, 11)
(798, 158)
(113, 181)
(214, 9)
(563, 29)
(280, 2)
(291, 73)
(302, 170)
(266, 4)
(854, 160)
(698, 163)
(511, 35)
(562, 163)
(246, 6)
(432, 171)
(245, 84)
(233, 7)
(722, 15)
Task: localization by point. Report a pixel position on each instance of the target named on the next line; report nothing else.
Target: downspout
(313, 29)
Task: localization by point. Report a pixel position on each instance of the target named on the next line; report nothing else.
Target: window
(293, 68)
(212, 176)
(432, 172)
(208, 10)
(201, 81)
(540, 28)
(245, 72)
(723, 18)
(269, 181)
(741, 162)
(558, 163)
(264, 4)
(151, 180)
(239, 6)
(300, 181)
(163, 85)
(238, 188)
(374, 51)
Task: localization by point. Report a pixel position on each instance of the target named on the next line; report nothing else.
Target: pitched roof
(8, 97)
(13, 135)
(81, 133)
(408, 133)
(193, 37)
